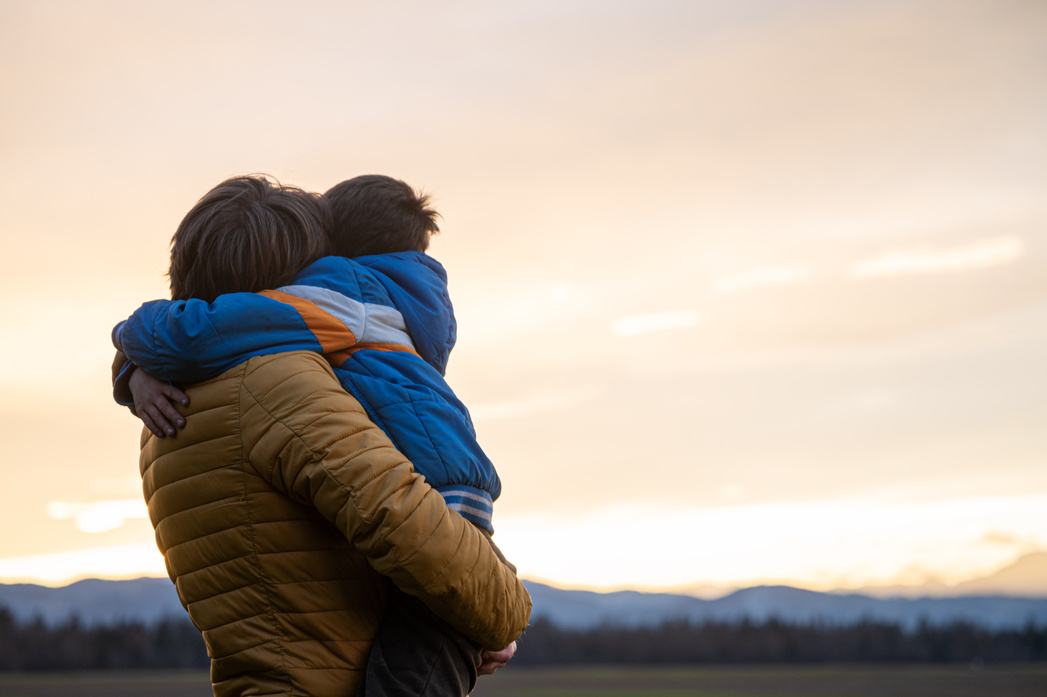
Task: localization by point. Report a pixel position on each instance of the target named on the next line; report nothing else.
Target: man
(279, 503)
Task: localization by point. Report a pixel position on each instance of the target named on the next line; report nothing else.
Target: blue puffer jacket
(385, 323)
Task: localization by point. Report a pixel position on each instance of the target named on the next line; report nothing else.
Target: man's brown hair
(376, 214)
(248, 233)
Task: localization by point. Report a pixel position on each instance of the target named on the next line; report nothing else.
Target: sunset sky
(748, 291)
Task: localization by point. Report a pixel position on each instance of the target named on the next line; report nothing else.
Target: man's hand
(491, 661)
(154, 403)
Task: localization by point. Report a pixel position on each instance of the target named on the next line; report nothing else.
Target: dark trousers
(417, 654)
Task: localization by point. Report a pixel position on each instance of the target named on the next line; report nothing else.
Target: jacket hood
(417, 286)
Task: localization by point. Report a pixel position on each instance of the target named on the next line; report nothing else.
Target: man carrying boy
(243, 498)
(385, 322)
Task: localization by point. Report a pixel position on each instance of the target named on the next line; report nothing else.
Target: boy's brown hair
(376, 214)
(248, 234)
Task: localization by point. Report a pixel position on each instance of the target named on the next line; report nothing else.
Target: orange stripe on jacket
(330, 331)
(336, 358)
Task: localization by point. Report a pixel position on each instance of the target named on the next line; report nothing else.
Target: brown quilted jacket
(274, 509)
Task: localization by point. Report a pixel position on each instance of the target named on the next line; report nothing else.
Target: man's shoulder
(299, 390)
(275, 368)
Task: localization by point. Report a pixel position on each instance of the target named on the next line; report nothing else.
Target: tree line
(175, 643)
(773, 641)
(33, 645)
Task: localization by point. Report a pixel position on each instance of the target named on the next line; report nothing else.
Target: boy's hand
(154, 402)
(491, 661)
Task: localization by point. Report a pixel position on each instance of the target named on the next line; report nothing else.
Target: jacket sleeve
(193, 340)
(314, 442)
(122, 369)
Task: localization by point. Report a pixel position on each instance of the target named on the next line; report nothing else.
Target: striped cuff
(475, 505)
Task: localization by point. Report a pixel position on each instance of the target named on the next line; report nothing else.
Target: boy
(385, 323)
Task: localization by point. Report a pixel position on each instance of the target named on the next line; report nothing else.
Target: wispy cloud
(763, 276)
(654, 322)
(926, 260)
(98, 516)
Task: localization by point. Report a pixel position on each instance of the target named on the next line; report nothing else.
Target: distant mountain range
(585, 609)
(148, 600)
(983, 603)
(1024, 578)
(94, 601)
(1010, 597)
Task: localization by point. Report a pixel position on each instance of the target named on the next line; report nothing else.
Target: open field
(760, 681)
(100, 683)
(752, 681)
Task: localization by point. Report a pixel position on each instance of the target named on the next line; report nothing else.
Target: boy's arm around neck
(193, 340)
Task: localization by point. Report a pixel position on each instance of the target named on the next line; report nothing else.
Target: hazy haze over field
(747, 292)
